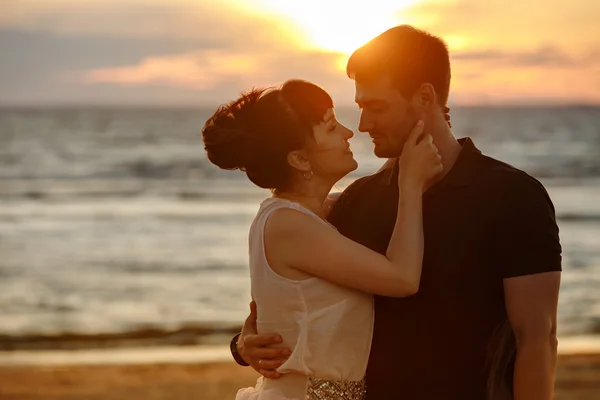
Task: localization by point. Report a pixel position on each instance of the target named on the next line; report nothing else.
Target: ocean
(113, 220)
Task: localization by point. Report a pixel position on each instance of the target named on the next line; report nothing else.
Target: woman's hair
(256, 132)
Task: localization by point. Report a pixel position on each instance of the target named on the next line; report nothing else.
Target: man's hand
(260, 351)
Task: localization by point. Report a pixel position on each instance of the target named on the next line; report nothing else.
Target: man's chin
(384, 152)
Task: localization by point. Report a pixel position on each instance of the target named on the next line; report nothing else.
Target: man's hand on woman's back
(262, 352)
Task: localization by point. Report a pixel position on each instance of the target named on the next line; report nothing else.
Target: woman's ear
(298, 159)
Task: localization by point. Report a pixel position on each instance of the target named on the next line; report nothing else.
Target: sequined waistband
(321, 389)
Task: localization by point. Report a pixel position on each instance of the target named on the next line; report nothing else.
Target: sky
(205, 52)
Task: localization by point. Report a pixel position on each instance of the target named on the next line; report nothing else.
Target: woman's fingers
(416, 132)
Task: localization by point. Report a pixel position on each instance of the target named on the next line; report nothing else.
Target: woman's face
(330, 155)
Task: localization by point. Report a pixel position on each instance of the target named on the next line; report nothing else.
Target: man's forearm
(534, 369)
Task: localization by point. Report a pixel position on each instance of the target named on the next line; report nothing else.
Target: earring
(447, 116)
(308, 175)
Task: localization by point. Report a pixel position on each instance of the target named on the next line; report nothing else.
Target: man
(483, 324)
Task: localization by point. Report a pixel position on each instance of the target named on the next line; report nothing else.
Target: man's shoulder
(510, 179)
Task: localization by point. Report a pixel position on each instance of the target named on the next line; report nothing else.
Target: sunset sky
(191, 52)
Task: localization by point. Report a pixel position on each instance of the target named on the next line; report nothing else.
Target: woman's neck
(311, 195)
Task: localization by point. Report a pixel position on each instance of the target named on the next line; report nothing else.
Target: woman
(312, 285)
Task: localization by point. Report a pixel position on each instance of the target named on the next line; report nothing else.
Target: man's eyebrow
(331, 117)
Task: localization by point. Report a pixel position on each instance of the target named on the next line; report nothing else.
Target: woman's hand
(420, 161)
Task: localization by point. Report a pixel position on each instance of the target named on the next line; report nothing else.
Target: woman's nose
(349, 133)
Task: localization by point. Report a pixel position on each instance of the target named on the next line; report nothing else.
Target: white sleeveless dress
(327, 327)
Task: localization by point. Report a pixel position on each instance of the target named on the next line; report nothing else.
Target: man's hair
(409, 56)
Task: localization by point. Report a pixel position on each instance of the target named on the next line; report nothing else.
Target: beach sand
(578, 378)
(210, 381)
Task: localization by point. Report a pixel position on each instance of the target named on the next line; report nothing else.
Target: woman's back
(327, 327)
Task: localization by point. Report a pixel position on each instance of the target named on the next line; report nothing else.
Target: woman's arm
(306, 244)
(406, 245)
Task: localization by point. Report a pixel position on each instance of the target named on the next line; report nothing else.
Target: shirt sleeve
(527, 240)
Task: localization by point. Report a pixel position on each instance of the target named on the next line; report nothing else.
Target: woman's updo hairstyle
(256, 132)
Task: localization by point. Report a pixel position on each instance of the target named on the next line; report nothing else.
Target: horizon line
(186, 105)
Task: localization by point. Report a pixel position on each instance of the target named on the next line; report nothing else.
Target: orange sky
(203, 52)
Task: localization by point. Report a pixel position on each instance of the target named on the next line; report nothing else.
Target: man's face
(385, 115)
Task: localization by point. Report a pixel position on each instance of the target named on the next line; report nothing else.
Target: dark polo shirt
(485, 221)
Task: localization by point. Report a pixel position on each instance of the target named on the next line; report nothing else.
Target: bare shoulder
(285, 221)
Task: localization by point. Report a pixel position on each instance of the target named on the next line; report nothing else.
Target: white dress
(328, 327)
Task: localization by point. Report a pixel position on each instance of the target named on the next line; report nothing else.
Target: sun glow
(338, 26)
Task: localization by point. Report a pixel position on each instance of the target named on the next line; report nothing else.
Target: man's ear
(425, 96)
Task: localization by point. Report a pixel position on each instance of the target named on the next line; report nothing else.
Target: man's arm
(531, 305)
(529, 253)
(258, 351)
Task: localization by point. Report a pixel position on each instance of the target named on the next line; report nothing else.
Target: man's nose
(364, 125)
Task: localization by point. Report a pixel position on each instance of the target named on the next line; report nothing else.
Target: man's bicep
(531, 303)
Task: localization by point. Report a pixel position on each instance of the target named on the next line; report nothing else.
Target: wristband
(234, 351)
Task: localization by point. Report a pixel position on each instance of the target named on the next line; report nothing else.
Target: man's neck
(449, 149)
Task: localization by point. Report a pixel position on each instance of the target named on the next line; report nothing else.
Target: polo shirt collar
(463, 172)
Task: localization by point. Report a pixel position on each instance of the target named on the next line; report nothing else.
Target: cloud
(212, 69)
(69, 49)
(199, 70)
(206, 52)
(509, 25)
(42, 68)
(547, 56)
(216, 23)
(34, 62)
